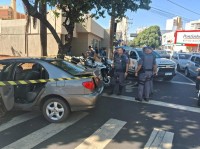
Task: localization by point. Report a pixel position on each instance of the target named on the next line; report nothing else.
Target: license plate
(168, 74)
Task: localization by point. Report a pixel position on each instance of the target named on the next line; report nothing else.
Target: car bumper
(166, 74)
(88, 101)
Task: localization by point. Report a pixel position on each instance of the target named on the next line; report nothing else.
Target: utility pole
(112, 24)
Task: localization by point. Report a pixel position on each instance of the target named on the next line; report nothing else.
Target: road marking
(157, 103)
(160, 139)
(186, 77)
(103, 135)
(184, 83)
(18, 119)
(45, 133)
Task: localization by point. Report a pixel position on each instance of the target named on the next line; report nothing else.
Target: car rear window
(184, 56)
(68, 67)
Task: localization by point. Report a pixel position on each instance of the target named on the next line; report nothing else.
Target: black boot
(120, 90)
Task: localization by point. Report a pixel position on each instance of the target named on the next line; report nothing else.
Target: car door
(6, 92)
(190, 64)
(196, 65)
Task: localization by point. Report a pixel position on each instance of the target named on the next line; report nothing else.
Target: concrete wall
(80, 44)
(13, 39)
(106, 39)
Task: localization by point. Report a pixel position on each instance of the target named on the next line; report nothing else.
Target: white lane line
(157, 103)
(184, 83)
(160, 139)
(45, 133)
(103, 135)
(18, 119)
(186, 77)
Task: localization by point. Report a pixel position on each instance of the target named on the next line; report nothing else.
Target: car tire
(55, 110)
(187, 73)
(168, 78)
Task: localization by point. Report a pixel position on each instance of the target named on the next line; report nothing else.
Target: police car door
(6, 92)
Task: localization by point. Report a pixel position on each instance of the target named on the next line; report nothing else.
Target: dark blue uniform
(145, 76)
(118, 77)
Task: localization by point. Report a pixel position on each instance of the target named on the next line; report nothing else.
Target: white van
(166, 68)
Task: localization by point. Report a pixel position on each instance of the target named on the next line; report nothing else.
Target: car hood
(161, 61)
(183, 61)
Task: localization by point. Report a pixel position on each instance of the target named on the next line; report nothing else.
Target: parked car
(181, 60)
(55, 99)
(163, 53)
(166, 67)
(192, 65)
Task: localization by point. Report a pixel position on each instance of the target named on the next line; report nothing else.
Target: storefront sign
(187, 37)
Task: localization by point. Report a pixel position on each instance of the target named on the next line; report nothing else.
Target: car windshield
(68, 67)
(161, 52)
(184, 56)
(154, 53)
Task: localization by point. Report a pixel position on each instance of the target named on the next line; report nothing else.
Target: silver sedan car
(55, 99)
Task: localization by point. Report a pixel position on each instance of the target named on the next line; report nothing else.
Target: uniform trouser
(151, 84)
(145, 84)
(118, 77)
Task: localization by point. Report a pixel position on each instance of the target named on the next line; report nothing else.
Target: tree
(150, 36)
(117, 10)
(43, 29)
(74, 11)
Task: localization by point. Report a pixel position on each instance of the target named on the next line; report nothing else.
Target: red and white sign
(187, 37)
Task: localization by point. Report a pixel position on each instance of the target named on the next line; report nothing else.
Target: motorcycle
(104, 66)
(106, 71)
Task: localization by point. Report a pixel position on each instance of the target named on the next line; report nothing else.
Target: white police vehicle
(166, 68)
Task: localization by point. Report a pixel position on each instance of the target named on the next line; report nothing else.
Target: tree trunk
(112, 24)
(34, 13)
(43, 30)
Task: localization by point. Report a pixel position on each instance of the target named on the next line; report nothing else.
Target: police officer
(146, 68)
(90, 52)
(120, 67)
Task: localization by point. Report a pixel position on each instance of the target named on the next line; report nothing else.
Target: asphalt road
(117, 122)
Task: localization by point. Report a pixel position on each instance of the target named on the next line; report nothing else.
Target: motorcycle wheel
(106, 80)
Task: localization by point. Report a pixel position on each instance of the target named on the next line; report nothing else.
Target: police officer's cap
(119, 47)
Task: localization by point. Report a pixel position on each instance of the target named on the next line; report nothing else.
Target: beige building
(122, 30)
(193, 25)
(15, 41)
(10, 12)
(174, 24)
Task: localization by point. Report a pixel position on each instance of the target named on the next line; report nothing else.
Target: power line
(183, 7)
(168, 14)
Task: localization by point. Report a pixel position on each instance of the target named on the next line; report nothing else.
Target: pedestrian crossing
(99, 139)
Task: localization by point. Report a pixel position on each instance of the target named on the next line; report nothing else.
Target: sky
(144, 18)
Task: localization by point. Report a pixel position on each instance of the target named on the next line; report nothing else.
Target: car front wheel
(55, 110)
(187, 73)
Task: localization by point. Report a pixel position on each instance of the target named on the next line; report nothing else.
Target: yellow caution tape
(24, 82)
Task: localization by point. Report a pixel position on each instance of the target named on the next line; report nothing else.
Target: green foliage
(150, 36)
(121, 6)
